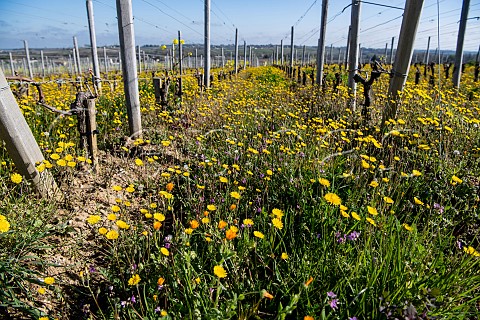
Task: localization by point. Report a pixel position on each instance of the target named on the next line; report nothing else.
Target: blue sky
(53, 23)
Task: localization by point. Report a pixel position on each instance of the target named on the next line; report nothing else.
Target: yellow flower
(269, 172)
(373, 184)
(416, 173)
(344, 214)
(160, 281)
(138, 162)
(115, 208)
(388, 200)
(122, 224)
(211, 207)
(61, 162)
(112, 235)
(205, 220)
(159, 216)
(134, 280)
(16, 178)
(102, 230)
(189, 231)
(235, 195)
(41, 290)
(407, 227)
(355, 216)
(324, 182)
(332, 198)
(277, 223)
(219, 271)
(43, 318)
(49, 280)
(418, 201)
(258, 234)
(248, 222)
(4, 225)
(455, 180)
(373, 211)
(371, 221)
(112, 217)
(164, 251)
(130, 189)
(284, 256)
(223, 180)
(93, 219)
(277, 213)
(54, 156)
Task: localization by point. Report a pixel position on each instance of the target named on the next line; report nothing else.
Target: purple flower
(92, 269)
(352, 318)
(157, 309)
(123, 303)
(133, 299)
(331, 294)
(354, 235)
(333, 304)
(438, 207)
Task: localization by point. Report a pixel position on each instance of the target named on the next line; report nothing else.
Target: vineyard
(257, 198)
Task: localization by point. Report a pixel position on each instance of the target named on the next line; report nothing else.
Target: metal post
(281, 52)
(244, 54)
(347, 52)
(427, 53)
(105, 61)
(291, 52)
(43, 64)
(77, 54)
(391, 51)
(223, 59)
(303, 55)
(180, 64)
(236, 51)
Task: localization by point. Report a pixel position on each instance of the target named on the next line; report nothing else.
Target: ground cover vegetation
(259, 198)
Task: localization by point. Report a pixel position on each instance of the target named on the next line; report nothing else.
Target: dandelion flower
(117, 188)
(223, 180)
(93, 219)
(373, 184)
(258, 234)
(134, 280)
(211, 207)
(373, 211)
(277, 213)
(102, 231)
(164, 251)
(371, 221)
(219, 271)
(222, 224)
(138, 162)
(235, 195)
(407, 227)
(112, 217)
(284, 256)
(248, 222)
(418, 201)
(49, 280)
(159, 216)
(332, 198)
(122, 224)
(230, 234)
(456, 180)
(324, 182)
(4, 224)
(277, 223)
(16, 178)
(112, 235)
(355, 216)
(416, 173)
(388, 200)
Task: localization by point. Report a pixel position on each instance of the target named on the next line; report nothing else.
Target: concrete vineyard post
(223, 59)
(353, 56)
(244, 55)
(331, 53)
(391, 51)
(93, 45)
(207, 45)
(236, 51)
(180, 64)
(303, 55)
(281, 52)
(291, 51)
(457, 71)
(21, 145)
(347, 51)
(139, 55)
(43, 64)
(29, 63)
(403, 57)
(11, 64)
(129, 65)
(76, 53)
(105, 61)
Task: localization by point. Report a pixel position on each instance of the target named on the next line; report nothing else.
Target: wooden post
(353, 56)
(43, 64)
(129, 66)
(76, 53)
(411, 17)
(236, 51)
(457, 71)
(29, 63)
(391, 50)
(291, 51)
(206, 72)
(11, 64)
(92, 131)
(157, 85)
(21, 145)
(93, 45)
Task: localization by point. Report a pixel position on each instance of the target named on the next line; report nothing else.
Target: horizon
(156, 23)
